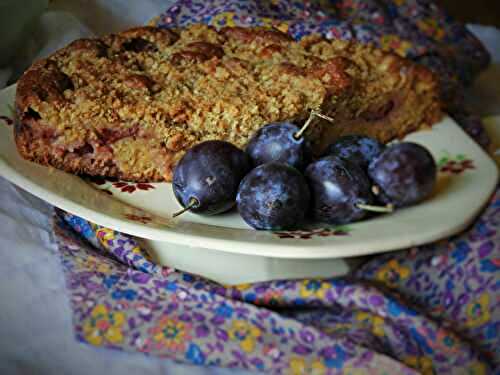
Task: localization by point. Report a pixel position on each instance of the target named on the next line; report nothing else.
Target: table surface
(35, 319)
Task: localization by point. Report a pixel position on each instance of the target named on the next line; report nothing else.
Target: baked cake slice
(129, 105)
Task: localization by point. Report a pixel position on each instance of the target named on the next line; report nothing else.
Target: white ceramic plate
(467, 178)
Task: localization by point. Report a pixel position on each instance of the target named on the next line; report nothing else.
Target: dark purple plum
(277, 142)
(358, 149)
(405, 173)
(338, 186)
(273, 196)
(206, 179)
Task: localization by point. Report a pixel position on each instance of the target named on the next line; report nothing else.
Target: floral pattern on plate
(123, 186)
(456, 164)
(131, 187)
(307, 234)
(143, 219)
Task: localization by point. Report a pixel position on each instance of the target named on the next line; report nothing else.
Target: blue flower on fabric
(338, 359)
(490, 265)
(195, 355)
(450, 285)
(299, 301)
(81, 226)
(111, 280)
(460, 252)
(128, 294)
(395, 309)
(171, 286)
(145, 267)
(483, 230)
(392, 10)
(224, 310)
(421, 341)
(250, 297)
(491, 330)
(88, 231)
(258, 363)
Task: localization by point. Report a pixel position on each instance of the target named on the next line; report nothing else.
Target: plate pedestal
(230, 268)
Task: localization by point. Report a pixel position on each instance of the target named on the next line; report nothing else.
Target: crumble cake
(129, 105)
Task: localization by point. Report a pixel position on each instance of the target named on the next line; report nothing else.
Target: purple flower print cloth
(431, 309)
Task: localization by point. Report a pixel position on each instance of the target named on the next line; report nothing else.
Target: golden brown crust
(128, 105)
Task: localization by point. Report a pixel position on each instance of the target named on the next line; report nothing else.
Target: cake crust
(129, 105)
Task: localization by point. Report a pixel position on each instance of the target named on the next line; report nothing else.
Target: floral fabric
(434, 309)
(431, 309)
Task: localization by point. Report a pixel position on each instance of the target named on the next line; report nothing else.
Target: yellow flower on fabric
(378, 326)
(240, 287)
(374, 321)
(103, 326)
(318, 368)
(297, 366)
(283, 27)
(266, 21)
(392, 272)
(394, 43)
(136, 250)
(105, 234)
(477, 311)
(338, 328)
(95, 264)
(364, 317)
(246, 333)
(477, 368)
(431, 27)
(399, 2)
(223, 19)
(171, 334)
(313, 288)
(423, 364)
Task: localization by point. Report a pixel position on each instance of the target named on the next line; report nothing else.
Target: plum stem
(324, 117)
(368, 207)
(192, 203)
(314, 113)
